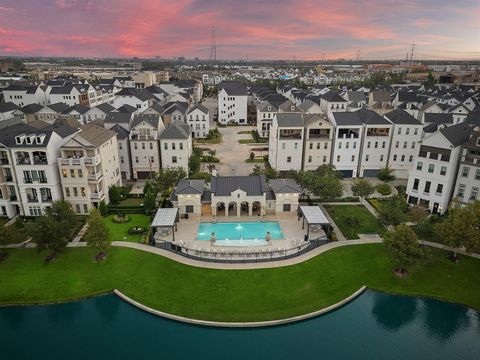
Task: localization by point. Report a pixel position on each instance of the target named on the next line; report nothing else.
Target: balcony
(32, 199)
(290, 134)
(46, 199)
(318, 134)
(4, 161)
(96, 195)
(24, 161)
(95, 176)
(142, 137)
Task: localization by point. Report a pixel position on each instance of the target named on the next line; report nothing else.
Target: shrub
(136, 231)
(121, 219)
(384, 189)
(103, 208)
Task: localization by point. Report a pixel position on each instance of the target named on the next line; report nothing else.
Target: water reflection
(15, 317)
(394, 312)
(443, 320)
(68, 313)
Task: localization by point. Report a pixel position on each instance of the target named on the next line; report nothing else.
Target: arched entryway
(232, 209)
(244, 208)
(256, 208)
(220, 211)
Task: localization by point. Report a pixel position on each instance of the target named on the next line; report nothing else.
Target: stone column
(239, 209)
(226, 210)
(250, 209)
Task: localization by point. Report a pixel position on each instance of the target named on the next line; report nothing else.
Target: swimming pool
(240, 233)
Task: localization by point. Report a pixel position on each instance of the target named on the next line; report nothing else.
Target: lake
(373, 326)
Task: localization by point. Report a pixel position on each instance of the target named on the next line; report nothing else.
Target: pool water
(247, 233)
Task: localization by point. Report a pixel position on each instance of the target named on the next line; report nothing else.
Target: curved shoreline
(254, 324)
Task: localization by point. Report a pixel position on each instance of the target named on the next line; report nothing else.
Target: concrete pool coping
(254, 324)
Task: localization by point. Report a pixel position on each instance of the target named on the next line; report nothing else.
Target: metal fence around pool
(241, 255)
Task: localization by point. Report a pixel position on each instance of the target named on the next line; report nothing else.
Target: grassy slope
(368, 222)
(119, 231)
(230, 295)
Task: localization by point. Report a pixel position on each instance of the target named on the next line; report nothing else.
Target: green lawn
(133, 201)
(231, 295)
(367, 222)
(119, 232)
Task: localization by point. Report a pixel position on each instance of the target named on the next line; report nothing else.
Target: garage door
(371, 173)
(346, 173)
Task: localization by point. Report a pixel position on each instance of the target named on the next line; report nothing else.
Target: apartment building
(468, 179)
(405, 136)
(285, 151)
(232, 103)
(176, 146)
(30, 172)
(318, 141)
(124, 156)
(89, 166)
(144, 146)
(198, 119)
(432, 180)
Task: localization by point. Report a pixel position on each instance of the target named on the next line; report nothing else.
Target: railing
(240, 255)
(47, 199)
(77, 161)
(43, 161)
(95, 176)
(24, 161)
(32, 199)
(96, 195)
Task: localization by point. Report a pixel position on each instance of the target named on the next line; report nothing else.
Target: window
(439, 188)
(152, 159)
(381, 157)
(339, 145)
(347, 145)
(67, 192)
(402, 159)
(405, 145)
(80, 173)
(368, 145)
(310, 159)
(135, 146)
(443, 170)
(295, 146)
(461, 190)
(310, 146)
(408, 131)
(64, 173)
(474, 193)
(173, 146)
(399, 131)
(143, 146)
(427, 187)
(395, 157)
(181, 146)
(75, 192)
(415, 132)
(376, 144)
(383, 145)
(477, 174)
(415, 184)
(410, 158)
(120, 146)
(353, 158)
(72, 173)
(354, 144)
(151, 146)
(366, 157)
(189, 209)
(431, 168)
(324, 158)
(165, 146)
(325, 145)
(283, 146)
(465, 171)
(419, 166)
(413, 144)
(287, 207)
(174, 159)
(289, 159)
(397, 143)
(83, 192)
(136, 159)
(338, 158)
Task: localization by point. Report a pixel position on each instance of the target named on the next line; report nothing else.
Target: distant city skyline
(248, 29)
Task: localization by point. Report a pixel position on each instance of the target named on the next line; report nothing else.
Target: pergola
(313, 215)
(164, 218)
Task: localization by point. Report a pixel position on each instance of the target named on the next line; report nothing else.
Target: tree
(417, 214)
(195, 161)
(327, 170)
(386, 175)
(459, 229)
(393, 211)
(115, 194)
(252, 156)
(362, 188)
(53, 229)
(403, 248)
(166, 179)
(352, 222)
(430, 80)
(97, 236)
(149, 202)
(323, 183)
(264, 170)
(212, 152)
(103, 208)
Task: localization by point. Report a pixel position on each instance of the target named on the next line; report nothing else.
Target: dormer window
(292, 108)
(30, 139)
(39, 139)
(19, 139)
(269, 108)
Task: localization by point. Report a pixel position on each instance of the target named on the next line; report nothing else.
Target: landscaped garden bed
(122, 231)
(353, 220)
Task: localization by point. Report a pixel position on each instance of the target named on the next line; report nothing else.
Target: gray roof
(370, 117)
(122, 133)
(332, 96)
(201, 108)
(344, 118)
(59, 107)
(381, 96)
(165, 217)
(401, 117)
(284, 186)
(7, 107)
(233, 88)
(225, 185)
(438, 118)
(356, 96)
(187, 186)
(118, 118)
(314, 215)
(8, 134)
(106, 108)
(457, 134)
(176, 130)
(151, 119)
(81, 109)
(31, 108)
(289, 120)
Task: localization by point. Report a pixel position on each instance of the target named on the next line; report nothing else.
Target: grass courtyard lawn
(133, 201)
(367, 222)
(231, 295)
(119, 232)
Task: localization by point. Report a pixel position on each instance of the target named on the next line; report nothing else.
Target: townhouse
(318, 141)
(467, 184)
(406, 134)
(232, 103)
(89, 166)
(138, 99)
(432, 180)
(332, 102)
(30, 172)
(144, 145)
(176, 146)
(198, 119)
(22, 95)
(285, 151)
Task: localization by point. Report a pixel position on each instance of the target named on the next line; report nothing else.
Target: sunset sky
(245, 29)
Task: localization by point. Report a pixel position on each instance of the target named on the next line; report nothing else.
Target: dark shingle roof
(233, 88)
(118, 118)
(457, 134)
(289, 120)
(122, 133)
(187, 186)
(105, 107)
(176, 130)
(401, 117)
(7, 107)
(438, 118)
(225, 185)
(284, 186)
(151, 119)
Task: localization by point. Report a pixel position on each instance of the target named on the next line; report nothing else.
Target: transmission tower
(213, 47)
(358, 56)
(411, 52)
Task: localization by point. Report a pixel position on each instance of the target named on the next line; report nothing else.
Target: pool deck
(289, 224)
